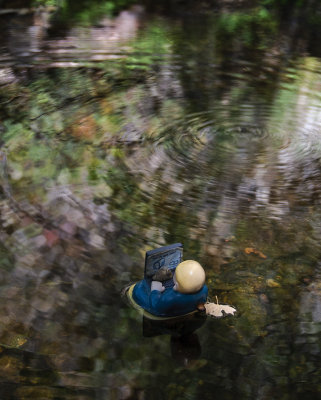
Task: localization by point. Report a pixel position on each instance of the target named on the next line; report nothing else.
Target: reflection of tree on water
(24, 367)
(57, 294)
(27, 39)
(221, 182)
(255, 210)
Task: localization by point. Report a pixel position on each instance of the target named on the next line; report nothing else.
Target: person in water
(188, 294)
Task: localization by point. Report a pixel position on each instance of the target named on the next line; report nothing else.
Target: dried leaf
(249, 250)
(272, 283)
(219, 310)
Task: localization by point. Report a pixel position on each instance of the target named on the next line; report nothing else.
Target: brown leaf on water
(272, 283)
(251, 250)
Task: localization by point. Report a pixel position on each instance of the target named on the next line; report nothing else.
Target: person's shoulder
(141, 286)
(204, 289)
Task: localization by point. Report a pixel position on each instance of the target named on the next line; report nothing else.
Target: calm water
(145, 131)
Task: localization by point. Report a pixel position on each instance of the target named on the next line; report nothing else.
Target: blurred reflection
(174, 327)
(186, 349)
(184, 344)
(27, 42)
(194, 133)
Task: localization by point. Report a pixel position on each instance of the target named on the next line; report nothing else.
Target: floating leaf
(219, 310)
(250, 250)
(272, 283)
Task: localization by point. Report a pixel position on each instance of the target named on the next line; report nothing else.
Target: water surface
(145, 131)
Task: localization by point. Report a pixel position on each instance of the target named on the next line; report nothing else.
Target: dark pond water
(145, 131)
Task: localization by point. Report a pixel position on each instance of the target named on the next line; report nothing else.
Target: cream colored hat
(189, 276)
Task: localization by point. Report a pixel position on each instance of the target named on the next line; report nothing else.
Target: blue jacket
(170, 303)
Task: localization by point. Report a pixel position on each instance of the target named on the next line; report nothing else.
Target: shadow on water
(141, 131)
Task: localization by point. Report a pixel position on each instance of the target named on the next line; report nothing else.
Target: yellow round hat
(189, 276)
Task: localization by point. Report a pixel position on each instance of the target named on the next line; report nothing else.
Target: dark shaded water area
(143, 131)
